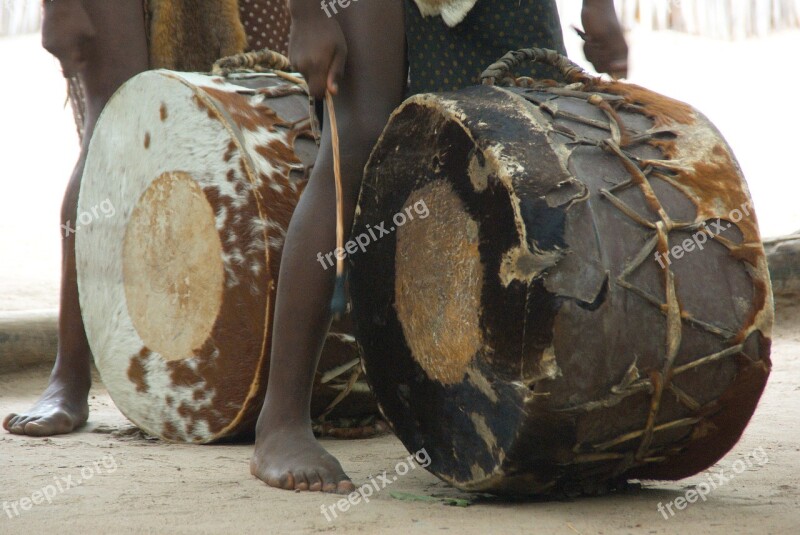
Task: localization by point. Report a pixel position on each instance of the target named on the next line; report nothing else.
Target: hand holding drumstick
(605, 45)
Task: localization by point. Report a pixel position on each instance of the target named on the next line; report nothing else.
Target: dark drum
(587, 300)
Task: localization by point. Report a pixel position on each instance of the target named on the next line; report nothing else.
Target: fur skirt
(452, 11)
(190, 35)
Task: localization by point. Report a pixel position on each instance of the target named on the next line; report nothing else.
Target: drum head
(177, 253)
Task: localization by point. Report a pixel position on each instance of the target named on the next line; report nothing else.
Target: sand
(139, 485)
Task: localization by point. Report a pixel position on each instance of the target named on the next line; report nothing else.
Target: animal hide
(190, 35)
(452, 11)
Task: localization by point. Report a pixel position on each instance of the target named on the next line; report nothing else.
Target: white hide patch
(452, 11)
(164, 109)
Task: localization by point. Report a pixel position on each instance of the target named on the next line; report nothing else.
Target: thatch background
(721, 19)
(19, 16)
(724, 19)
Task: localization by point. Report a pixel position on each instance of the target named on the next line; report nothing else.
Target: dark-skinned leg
(118, 53)
(286, 454)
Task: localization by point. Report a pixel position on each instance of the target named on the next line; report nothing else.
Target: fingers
(71, 55)
(73, 64)
(618, 68)
(336, 69)
(316, 72)
(316, 77)
(605, 46)
(67, 33)
(608, 58)
(324, 75)
(318, 50)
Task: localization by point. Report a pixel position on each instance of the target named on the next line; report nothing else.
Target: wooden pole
(783, 256)
(27, 338)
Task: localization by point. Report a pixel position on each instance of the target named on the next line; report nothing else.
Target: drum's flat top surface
(166, 488)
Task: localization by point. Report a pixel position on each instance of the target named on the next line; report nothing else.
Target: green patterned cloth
(442, 58)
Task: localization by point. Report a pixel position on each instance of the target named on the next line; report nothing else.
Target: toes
(314, 482)
(55, 425)
(337, 485)
(301, 482)
(18, 427)
(345, 486)
(287, 481)
(329, 487)
(274, 482)
(38, 426)
(8, 421)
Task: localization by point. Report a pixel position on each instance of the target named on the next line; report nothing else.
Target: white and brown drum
(587, 299)
(177, 287)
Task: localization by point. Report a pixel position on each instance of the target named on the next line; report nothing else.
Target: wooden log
(27, 338)
(783, 255)
(550, 309)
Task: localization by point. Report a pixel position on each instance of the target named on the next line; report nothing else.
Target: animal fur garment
(452, 11)
(190, 35)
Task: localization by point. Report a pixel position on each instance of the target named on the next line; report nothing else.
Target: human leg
(287, 455)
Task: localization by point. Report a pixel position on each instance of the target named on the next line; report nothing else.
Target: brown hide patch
(245, 115)
(663, 110)
(137, 373)
(438, 284)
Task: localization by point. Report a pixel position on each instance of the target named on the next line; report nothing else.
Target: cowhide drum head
(188, 190)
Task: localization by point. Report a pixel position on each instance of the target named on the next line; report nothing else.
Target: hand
(67, 31)
(605, 45)
(317, 49)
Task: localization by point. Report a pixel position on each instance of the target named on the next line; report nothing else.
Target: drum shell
(528, 338)
(203, 174)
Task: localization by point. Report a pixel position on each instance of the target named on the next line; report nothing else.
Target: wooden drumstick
(339, 300)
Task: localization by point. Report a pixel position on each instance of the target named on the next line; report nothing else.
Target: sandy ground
(147, 486)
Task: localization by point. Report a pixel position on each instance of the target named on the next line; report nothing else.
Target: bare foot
(62, 408)
(292, 459)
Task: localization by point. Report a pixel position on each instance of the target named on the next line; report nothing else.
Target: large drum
(187, 193)
(569, 288)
